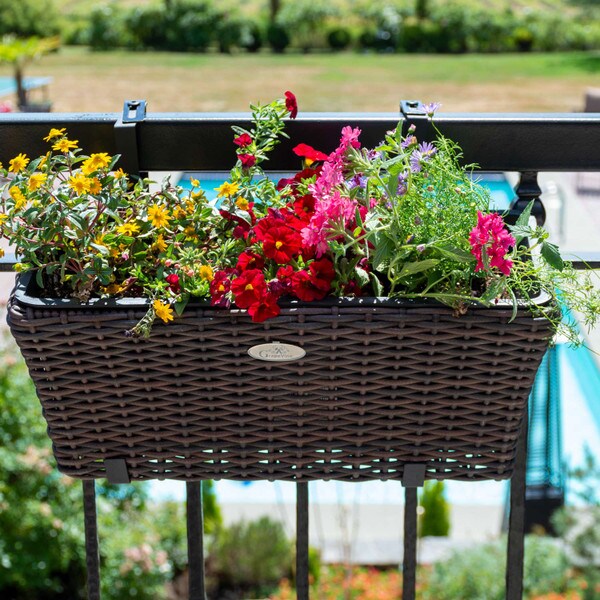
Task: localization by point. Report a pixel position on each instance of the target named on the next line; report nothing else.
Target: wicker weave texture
(379, 387)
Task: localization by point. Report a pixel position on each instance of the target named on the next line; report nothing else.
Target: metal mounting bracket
(414, 475)
(116, 470)
(412, 108)
(126, 138)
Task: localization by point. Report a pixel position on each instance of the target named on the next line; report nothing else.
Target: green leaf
(39, 279)
(551, 255)
(384, 247)
(418, 266)
(515, 305)
(376, 284)
(523, 220)
(456, 254)
(362, 277)
(494, 290)
(181, 304)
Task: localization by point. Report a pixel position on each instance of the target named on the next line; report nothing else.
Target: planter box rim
(26, 292)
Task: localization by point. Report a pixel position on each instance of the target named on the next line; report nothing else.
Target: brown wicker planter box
(382, 384)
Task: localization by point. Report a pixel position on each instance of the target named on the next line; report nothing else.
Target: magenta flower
(491, 237)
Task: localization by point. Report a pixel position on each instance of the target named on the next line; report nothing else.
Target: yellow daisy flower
(64, 145)
(227, 189)
(3, 218)
(195, 183)
(17, 195)
(54, 133)
(163, 310)
(190, 232)
(158, 216)
(128, 229)
(206, 272)
(18, 163)
(160, 243)
(189, 207)
(95, 186)
(36, 181)
(242, 203)
(179, 213)
(96, 161)
(119, 174)
(1, 252)
(80, 183)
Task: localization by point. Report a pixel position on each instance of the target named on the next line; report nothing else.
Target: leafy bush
(186, 25)
(249, 559)
(278, 38)
(251, 36)
(307, 21)
(435, 519)
(28, 17)
(339, 38)
(106, 29)
(381, 26)
(478, 573)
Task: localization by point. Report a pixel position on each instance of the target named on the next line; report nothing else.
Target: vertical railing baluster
(302, 570)
(516, 521)
(92, 556)
(195, 533)
(409, 558)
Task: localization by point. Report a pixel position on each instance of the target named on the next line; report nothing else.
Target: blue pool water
(500, 189)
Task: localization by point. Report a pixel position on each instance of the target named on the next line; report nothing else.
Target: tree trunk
(275, 6)
(21, 93)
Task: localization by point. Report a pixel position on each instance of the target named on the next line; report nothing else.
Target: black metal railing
(526, 143)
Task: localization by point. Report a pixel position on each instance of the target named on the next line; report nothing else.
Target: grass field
(99, 82)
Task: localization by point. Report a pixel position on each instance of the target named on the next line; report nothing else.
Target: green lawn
(87, 81)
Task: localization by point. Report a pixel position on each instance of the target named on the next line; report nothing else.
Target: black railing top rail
(202, 141)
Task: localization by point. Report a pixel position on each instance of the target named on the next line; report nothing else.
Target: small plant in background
(249, 559)
(435, 518)
(579, 526)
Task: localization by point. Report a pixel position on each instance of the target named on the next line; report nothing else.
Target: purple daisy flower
(430, 108)
(421, 155)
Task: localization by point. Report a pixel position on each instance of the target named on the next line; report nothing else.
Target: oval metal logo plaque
(276, 352)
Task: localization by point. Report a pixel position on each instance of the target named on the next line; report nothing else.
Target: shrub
(229, 33)
(106, 29)
(382, 26)
(249, 559)
(28, 17)
(278, 38)
(339, 38)
(307, 21)
(435, 519)
(187, 25)
(479, 572)
(251, 36)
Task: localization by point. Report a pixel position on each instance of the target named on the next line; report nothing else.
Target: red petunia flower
(304, 207)
(247, 160)
(249, 288)
(242, 140)
(249, 260)
(315, 283)
(173, 281)
(291, 104)
(265, 309)
(219, 288)
(309, 153)
(281, 244)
